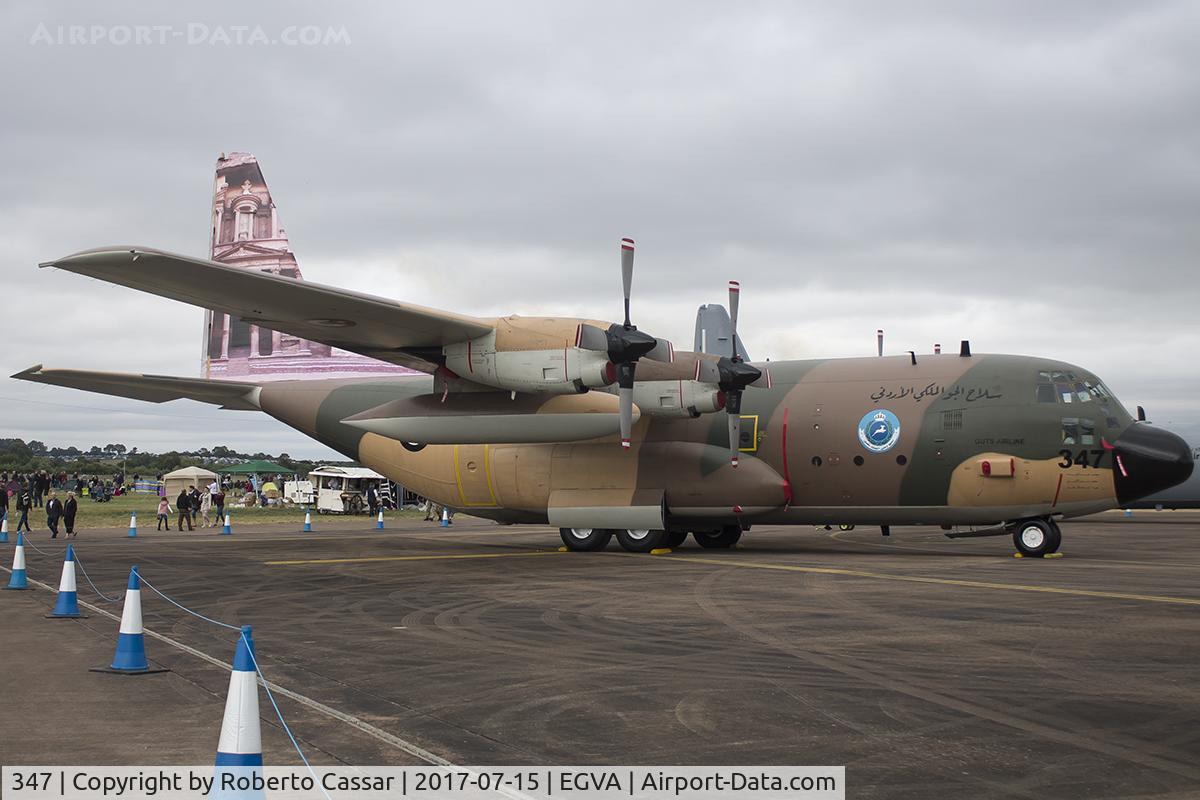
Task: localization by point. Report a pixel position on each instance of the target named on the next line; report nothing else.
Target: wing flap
(151, 388)
(361, 323)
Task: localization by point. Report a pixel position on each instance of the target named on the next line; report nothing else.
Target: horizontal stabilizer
(372, 326)
(493, 418)
(151, 388)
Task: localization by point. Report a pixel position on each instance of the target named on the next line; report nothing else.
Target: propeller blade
(735, 289)
(626, 398)
(589, 337)
(625, 373)
(735, 436)
(627, 273)
(663, 351)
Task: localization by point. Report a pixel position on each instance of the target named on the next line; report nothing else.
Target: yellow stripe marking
(487, 476)
(1012, 587)
(442, 557)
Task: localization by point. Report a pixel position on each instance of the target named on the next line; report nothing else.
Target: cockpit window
(1058, 386)
(1078, 430)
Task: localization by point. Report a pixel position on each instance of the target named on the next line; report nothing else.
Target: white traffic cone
(67, 603)
(307, 521)
(18, 580)
(4, 526)
(228, 529)
(379, 521)
(239, 751)
(445, 523)
(132, 525)
(130, 658)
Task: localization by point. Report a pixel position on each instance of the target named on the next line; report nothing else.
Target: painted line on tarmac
(884, 576)
(351, 720)
(440, 557)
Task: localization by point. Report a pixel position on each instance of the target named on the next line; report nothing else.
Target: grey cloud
(1023, 173)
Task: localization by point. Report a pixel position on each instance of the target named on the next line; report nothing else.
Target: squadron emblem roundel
(879, 430)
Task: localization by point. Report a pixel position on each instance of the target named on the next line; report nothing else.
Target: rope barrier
(102, 595)
(279, 714)
(257, 670)
(185, 608)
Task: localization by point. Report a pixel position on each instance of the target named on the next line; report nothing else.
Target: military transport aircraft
(599, 428)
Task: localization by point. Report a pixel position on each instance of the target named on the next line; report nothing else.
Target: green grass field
(115, 513)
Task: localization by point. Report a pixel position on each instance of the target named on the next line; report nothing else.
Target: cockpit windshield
(1073, 388)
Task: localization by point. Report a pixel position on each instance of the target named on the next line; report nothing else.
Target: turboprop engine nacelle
(676, 398)
(531, 357)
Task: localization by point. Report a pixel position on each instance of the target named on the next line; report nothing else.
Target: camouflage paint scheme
(932, 475)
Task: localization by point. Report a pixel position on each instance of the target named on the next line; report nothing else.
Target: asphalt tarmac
(929, 667)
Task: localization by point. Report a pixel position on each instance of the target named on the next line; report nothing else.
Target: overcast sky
(1023, 174)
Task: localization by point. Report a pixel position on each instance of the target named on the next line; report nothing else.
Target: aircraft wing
(400, 333)
(152, 388)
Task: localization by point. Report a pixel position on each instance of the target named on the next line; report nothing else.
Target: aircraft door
(472, 472)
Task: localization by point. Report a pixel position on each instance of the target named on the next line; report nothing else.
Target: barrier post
(66, 605)
(239, 750)
(18, 579)
(130, 657)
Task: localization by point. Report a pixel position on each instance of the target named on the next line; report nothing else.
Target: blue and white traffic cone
(18, 580)
(239, 750)
(67, 603)
(4, 526)
(133, 526)
(130, 658)
(228, 529)
(445, 523)
(379, 520)
(307, 521)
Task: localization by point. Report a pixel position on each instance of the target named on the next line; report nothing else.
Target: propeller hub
(627, 344)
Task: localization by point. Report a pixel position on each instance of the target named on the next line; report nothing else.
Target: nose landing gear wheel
(725, 538)
(583, 539)
(1035, 538)
(641, 540)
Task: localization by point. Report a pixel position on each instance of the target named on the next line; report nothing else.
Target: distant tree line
(17, 455)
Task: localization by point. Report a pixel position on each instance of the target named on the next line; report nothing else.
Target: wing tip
(28, 374)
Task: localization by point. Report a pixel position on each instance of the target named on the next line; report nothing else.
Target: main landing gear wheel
(725, 538)
(641, 540)
(1057, 543)
(1035, 538)
(583, 539)
(675, 538)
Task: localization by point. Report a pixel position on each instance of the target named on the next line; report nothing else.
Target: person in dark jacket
(3, 499)
(23, 506)
(54, 510)
(219, 505)
(183, 504)
(69, 509)
(194, 496)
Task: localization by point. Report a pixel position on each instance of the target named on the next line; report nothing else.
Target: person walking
(54, 510)
(194, 496)
(164, 509)
(69, 509)
(205, 509)
(218, 499)
(23, 506)
(183, 504)
(373, 499)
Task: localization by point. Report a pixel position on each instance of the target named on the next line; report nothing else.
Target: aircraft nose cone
(1148, 460)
